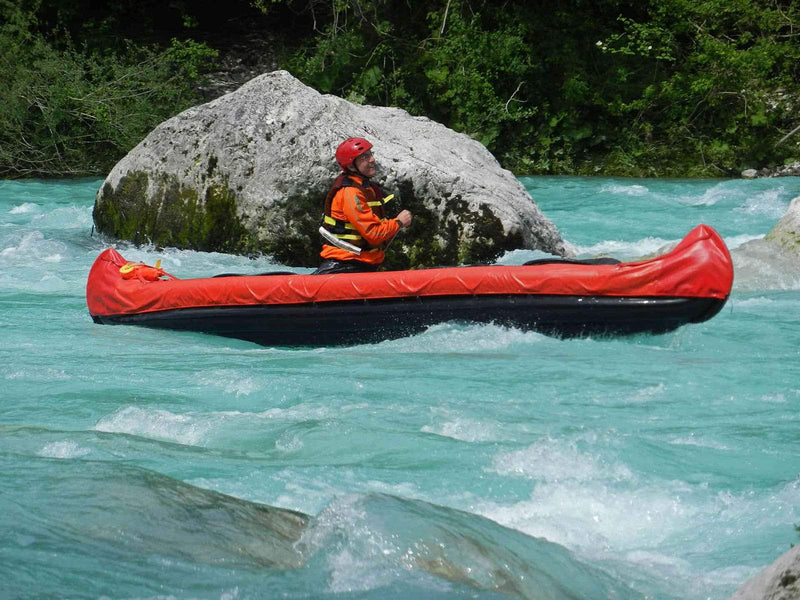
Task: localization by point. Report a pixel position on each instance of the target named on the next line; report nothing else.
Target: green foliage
(448, 66)
(662, 87)
(73, 111)
(630, 87)
(646, 40)
(473, 76)
(729, 97)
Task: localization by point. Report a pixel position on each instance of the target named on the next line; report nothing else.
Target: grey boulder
(779, 581)
(248, 172)
(786, 232)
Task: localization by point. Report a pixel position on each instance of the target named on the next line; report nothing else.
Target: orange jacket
(352, 204)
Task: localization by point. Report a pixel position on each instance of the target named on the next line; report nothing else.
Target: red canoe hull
(687, 285)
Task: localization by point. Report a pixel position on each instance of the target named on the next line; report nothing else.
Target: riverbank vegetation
(625, 87)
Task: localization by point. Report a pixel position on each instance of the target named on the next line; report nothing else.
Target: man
(354, 225)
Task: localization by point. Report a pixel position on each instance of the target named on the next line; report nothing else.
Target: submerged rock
(779, 581)
(248, 172)
(786, 232)
(771, 262)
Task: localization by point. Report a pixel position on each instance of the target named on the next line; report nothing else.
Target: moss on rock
(296, 241)
(788, 240)
(786, 232)
(176, 216)
(159, 210)
(437, 237)
(121, 211)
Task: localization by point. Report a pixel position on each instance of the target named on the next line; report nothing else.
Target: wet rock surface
(248, 171)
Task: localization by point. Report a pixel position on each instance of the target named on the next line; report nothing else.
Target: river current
(464, 462)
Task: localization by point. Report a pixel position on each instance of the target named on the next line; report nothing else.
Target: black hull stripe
(369, 321)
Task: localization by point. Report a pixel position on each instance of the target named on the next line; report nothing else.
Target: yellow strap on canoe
(130, 266)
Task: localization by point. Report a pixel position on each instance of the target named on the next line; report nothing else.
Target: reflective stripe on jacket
(355, 212)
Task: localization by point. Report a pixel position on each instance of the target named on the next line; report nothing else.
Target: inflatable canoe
(690, 284)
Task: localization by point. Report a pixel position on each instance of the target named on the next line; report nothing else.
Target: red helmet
(350, 149)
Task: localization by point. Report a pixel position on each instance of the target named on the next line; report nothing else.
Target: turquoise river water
(465, 462)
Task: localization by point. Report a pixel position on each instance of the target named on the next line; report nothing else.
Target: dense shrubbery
(668, 87)
(72, 110)
(665, 87)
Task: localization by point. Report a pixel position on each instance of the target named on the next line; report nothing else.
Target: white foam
(403, 489)
(520, 256)
(30, 248)
(776, 398)
(551, 460)
(728, 577)
(303, 492)
(40, 374)
(625, 250)
(156, 424)
(767, 202)
(709, 197)
(465, 430)
(368, 560)
(587, 503)
(596, 517)
(352, 574)
(644, 523)
(197, 428)
(26, 207)
(231, 594)
(63, 450)
(289, 443)
(624, 189)
(65, 218)
(300, 412)
(464, 339)
(229, 381)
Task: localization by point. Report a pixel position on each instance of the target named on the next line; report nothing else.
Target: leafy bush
(71, 111)
(630, 87)
(636, 88)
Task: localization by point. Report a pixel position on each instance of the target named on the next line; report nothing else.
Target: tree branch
(512, 96)
(444, 20)
(788, 135)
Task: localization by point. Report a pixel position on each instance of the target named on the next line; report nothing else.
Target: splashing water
(468, 461)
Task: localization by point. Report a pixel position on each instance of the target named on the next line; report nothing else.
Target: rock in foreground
(786, 232)
(779, 581)
(248, 172)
